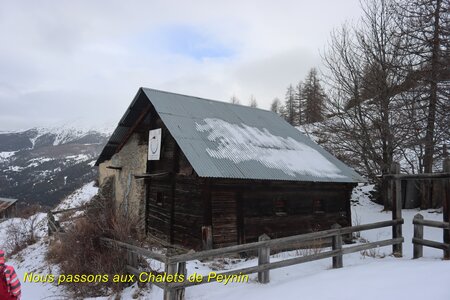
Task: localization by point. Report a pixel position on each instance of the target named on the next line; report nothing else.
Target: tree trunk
(431, 119)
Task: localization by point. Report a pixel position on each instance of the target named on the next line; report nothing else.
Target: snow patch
(78, 158)
(15, 168)
(80, 197)
(6, 155)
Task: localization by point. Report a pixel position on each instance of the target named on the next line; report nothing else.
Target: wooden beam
(337, 245)
(419, 176)
(429, 223)
(139, 250)
(137, 273)
(132, 128)
(397, 249)
(431, 244)
(114, 168)
(207, 240)
(152, 175)
(286, 241)
(418, 234)
(169, 293)
(293, 261)
(263, 259)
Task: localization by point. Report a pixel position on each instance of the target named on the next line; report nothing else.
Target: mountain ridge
(42, 165)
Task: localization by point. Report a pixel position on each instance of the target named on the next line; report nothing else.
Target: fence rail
(54, 225)
(418, 176)
(177, 263)
(394, 197)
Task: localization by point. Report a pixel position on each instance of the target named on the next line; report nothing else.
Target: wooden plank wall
(299, 212)
(224, 218)
(179, 218)
(188, 213)
(158, 214)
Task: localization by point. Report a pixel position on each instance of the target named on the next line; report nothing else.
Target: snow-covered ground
(79, 197)
(32, 259)
(378, 276)
(21, 228)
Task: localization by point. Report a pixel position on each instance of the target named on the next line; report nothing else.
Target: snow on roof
(240, 143)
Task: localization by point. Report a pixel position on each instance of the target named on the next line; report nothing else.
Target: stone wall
(129, 191)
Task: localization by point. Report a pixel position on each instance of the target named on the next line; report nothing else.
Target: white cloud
(86, 59)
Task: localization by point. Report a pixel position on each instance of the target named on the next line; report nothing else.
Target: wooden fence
(419, 241)
(177, 263)
(395, 196)
(53, 225)
(429, 187)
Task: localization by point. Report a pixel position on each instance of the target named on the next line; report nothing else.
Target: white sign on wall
(154, 144)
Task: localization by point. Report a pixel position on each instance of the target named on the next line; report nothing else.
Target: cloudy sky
(83, 61)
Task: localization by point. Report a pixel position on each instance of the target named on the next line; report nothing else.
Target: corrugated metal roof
(223, 140)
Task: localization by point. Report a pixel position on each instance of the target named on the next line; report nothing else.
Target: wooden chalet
(7, 208)
(202, 173)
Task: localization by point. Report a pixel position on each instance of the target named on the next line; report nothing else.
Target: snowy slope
(32, 259)
(79, 197)
(362, 277)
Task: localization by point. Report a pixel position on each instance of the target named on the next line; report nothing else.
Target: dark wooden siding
(290, 213)
(159, 210)
(168, 161)
(224, 218)
(279, 208)
(188, 213)
(179, 217)
(241, 213)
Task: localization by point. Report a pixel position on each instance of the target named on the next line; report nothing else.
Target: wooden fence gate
(395, 196)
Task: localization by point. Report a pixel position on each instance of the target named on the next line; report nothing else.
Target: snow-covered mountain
(42, 165)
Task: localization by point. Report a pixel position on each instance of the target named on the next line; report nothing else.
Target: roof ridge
(204, 99)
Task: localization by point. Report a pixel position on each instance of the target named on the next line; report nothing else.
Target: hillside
(43, 165)
(368, 275)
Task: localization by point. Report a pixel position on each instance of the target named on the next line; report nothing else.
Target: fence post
(50, 222)
(170, 294)
(446, 206)
(263, 258)
(397, 249)
(207, 237)
(418, 233)
(181, 270)
(132, 259)
(337, 245)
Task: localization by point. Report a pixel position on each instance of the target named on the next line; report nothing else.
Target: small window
(279, 206)
(159, 198)
(318, 206)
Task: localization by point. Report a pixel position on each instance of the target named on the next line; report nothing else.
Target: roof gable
(223, 140)
(6, 203)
